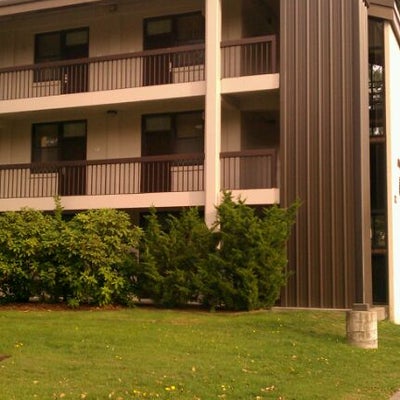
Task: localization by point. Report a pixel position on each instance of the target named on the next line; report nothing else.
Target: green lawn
(160, 354)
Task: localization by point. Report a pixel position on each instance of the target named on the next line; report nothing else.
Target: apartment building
(133, 103)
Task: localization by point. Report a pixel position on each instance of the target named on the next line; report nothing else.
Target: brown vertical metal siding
(324, 127)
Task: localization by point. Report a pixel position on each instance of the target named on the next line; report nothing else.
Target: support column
(212, 109)
(392, 98)
(363, 268)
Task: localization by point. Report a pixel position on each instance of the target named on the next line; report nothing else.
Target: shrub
(171, 258)
(239, 266)
(99, 256)
(247, 269)
(87, 259)
(26, 269)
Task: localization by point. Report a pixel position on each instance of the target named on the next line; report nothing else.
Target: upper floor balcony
(178, 179)
(180, 64)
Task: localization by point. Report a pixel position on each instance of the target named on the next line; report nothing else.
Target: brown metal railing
(251, 169)
(153, 67)
(251, 56)
(170, 173)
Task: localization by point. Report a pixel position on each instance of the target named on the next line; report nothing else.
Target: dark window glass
(57, 46)
(189, 29)
(376, 78)
(45, 143)
(189, 133)
(59, 141)
(61, 45)
(177, 133)
(174, 30)
(378, 160)
(48, 47)
(378, 175)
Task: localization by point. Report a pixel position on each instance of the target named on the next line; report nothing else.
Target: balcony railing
(182, 64)
(170, 173)
(251, 56)
(251, 169)
(152, 67)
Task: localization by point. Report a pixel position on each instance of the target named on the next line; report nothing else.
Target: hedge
(238, 264)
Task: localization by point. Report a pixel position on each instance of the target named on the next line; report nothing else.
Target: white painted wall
(392, 68)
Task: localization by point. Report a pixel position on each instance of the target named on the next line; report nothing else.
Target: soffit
(387, 10)
(10, 8)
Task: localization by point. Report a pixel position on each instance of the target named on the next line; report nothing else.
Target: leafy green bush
(26, 268)
(87, 259)
(99, 256)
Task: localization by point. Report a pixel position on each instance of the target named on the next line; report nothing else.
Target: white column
(212, 109)
(392, 90)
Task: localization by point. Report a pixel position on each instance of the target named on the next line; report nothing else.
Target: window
(61, 45)
(189, 29)
(189, 132)
(176, 133)
(174, 30)
(59, 141)
(45, 143)
(378, 180)
(168, 32)
(376, 78)
(57, 46)
(166, 134)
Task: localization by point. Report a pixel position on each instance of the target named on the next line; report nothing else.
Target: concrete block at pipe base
(381, 312)
(362, 329)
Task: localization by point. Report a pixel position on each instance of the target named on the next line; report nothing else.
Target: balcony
(171, 173)
(183, 64)
(250, 169)
(250, 56)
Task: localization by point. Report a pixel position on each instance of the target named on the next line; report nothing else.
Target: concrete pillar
(212, 109)
(362, 327)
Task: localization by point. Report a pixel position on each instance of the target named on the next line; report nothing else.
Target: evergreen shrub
(172, 256)
(238, 264)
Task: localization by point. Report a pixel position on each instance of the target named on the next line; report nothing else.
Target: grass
(159, 354)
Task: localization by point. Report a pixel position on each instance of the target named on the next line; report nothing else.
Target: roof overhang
(17, 7)
(387, 10)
